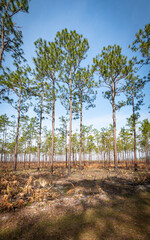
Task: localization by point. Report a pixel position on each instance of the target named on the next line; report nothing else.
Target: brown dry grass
(91, 204)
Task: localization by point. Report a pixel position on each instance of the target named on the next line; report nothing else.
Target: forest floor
(91, 204)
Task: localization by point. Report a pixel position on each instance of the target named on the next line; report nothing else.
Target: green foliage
(106, 139)
(47, 72)
(10, 33)
(20, 86)
(125, 140)
(85, 88)
(145, 134)
(48, 59)
(74, 48)
(63, 127)
(133, 90)
(47, 143)
(4, 124)
(142, 44)
(112, 67)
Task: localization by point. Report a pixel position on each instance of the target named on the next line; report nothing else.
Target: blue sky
(103, 23)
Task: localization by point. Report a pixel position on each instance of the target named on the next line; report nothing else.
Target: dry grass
(92, 204)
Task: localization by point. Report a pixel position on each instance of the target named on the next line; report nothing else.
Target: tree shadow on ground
(126, 216)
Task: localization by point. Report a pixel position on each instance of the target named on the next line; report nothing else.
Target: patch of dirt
(33, 196)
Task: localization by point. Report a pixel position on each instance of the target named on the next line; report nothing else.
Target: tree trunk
(147, 157)
(134, 132)
(84, 155)
(53, 125)
(30, 147)
(70, 126)
(89, 157)
(73, 157)
(104, 159)
(24, 159)
(109, 156)
(46, 157)
(66, 145)
(80, 150)
(17, 134)
(2, 153)
(2, 44)
(114, 129)
(39, 143)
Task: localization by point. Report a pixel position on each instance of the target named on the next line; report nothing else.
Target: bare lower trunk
(147, 158)
(80, 150)
(73, 157)
(66, 145)
(70, 126)
(24, 160)
(2, 151)
(89, 157)
(2, 44)
(114, 133)
(84, 155)
(109, 156)
(104, 159)
(30, 147)
(2, 154)
(46, 156)
(134, 132)
(39, 143)
(53, 125)
(17, 134)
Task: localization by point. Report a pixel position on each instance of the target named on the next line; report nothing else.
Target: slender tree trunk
(73, 157)
(84, 155)
(66, 146)
(2, 44)
(2, 150)
(139, 155)
(46, 157)
(25, 154)
(134, 133)
(109, 155)
(89, 157)
(5, 151)
(147, 158)
(104, 159)
(3, 144)
(2, 155)
(70, 126)
(80, 150)
(53, 124)
(30, 147)
(24, 159)
(114, 130)
(17, 133)
(39, 143)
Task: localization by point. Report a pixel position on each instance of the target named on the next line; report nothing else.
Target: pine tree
(4, 124)
(145, 137)
(112, 67)
(20, 86)
(85, 94)
(63, 130)
(74, 48)
(133, 91)
(48, 63)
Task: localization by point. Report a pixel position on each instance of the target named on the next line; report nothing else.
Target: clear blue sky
(102, 22)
